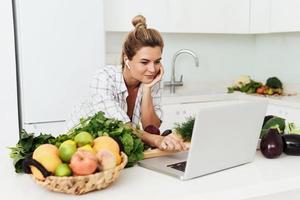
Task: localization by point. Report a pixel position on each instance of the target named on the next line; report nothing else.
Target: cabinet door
(180, 16)
(260, 16)
(214, 16)
(119, 14)
(285, 15)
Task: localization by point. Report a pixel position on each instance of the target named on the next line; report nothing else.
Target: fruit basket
(83, 184)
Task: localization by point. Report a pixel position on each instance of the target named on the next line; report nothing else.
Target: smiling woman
(131, 93)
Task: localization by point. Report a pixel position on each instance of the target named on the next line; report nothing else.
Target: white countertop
(258, 180)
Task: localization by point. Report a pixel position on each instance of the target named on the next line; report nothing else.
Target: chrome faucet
(173, 81)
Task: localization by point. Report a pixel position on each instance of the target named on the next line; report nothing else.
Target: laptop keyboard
(179, 166)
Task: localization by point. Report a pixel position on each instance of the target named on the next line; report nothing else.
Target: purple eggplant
(271, 145)
(291, 144)
(152, 129)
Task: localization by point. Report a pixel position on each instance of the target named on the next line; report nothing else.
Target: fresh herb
(99, 125)
(25, 147)
(185, 129)
(248, 88)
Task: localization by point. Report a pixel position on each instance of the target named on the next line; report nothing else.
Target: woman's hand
(157, 78)
(171, 143)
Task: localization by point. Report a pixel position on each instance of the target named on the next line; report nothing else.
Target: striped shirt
(108, 93)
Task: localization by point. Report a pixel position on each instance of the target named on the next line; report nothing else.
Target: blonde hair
(140, 37)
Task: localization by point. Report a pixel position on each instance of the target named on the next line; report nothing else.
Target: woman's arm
(169, 142)
(148, 114)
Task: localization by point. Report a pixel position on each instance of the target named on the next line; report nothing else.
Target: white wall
(279, 55)
(8, 100)
(223, 57)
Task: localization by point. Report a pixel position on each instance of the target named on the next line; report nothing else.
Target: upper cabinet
(203, 16)
(285, 16)
(271, 16)
(260, 16)
(180, 16)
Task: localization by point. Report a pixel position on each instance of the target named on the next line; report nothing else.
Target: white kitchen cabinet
(118, 14)
(271, 16)
(214, 16)
(180, 16)
(260, 16)
(285, 15)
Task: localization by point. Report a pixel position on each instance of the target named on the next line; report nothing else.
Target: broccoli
(274, 82)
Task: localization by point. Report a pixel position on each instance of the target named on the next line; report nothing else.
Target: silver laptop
(224, 136)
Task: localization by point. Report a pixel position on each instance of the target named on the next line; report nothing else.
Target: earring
(127, 64)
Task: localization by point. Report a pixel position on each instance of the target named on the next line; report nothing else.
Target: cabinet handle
(44, 122)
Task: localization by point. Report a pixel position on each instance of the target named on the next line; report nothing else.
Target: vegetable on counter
(291, 144)
(185, 129)
(271, 145)
(97, 125)
(245, 84)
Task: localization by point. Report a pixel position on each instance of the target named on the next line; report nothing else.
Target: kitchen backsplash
(223, 57)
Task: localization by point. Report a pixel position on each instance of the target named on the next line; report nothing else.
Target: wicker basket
(83, 184)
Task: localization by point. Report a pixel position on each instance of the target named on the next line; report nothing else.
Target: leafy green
(99, 125)
(248, 88)
(185, 129)
(291, 128)
(25, 147)
(275, 121)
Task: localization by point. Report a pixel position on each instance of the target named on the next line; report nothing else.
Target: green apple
(63, 170)
(83, 138)
(66, 150)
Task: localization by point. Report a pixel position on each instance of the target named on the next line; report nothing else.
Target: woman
(131, 93)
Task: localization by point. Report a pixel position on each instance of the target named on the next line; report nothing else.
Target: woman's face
(145, 65)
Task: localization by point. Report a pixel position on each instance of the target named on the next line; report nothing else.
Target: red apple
(83, 163)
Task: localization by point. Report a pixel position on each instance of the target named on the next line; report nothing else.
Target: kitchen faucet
(173, 81)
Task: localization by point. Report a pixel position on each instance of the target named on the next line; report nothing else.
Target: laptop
(224, 136)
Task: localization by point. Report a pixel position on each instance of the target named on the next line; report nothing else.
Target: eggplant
(152, 129)
(291, 144)
(271, 145)
(166, 132)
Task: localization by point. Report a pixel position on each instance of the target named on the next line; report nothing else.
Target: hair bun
(139, 21)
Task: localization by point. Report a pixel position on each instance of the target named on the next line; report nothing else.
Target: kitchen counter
(259, 180)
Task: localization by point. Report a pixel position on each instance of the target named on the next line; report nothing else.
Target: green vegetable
(275, 122)
(291, 128)
(249, 88)
(99, 125)
(274, 82)
(185, 129)
(272, 122)
(25, 147)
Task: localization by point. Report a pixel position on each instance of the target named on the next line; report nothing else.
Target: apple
(63, 170)
(66, 150)
(83, 163)
(83, 138)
